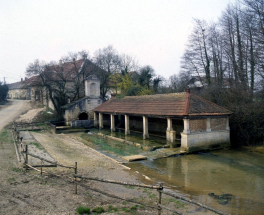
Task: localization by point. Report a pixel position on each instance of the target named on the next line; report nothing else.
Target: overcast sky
(153, 31)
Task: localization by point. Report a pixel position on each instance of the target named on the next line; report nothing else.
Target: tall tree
(146, 75)
(108, 60)
(196, 59)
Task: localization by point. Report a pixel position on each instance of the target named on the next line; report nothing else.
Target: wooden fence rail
(116, 182)
(158, 188)
(118, 197)
(192, 202)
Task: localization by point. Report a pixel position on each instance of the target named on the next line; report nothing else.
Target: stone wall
(82, 123)
(205, 141)
(218, 124)
(85, 105)
(198, 125)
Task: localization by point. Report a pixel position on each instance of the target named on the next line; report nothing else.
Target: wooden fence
(159, 207)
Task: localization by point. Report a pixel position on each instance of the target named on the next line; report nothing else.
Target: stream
(209, 177)
(229, 180)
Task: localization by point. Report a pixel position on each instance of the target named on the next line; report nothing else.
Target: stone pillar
(101, 120)
(208, 125)
(186, 123)
(145, 128)
(95, 120)
(227, 124)
(170, 134)
(112, 118)
(127, 129)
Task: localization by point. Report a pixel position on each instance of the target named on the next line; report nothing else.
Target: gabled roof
(66, 71)
(173, 104)
(16, 85)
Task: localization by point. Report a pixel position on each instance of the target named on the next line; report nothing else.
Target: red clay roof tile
(174, 104)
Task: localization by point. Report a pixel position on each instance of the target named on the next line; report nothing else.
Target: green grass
(111, 208)
(131, 210)
(11, 180)
(124, 202)
(17, 169)
(37, 145)
(83, 210)
(98, 210)
(129, 187)
(178, 204)
(5, 136)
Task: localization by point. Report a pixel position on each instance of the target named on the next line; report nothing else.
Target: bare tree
(108, 60)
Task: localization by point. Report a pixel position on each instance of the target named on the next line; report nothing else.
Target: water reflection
(233, 172)
(134, 136)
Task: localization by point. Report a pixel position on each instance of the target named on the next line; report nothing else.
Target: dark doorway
(83, 116)
(37, 95)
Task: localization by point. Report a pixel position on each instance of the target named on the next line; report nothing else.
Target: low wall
(205, 140)
(82, 123)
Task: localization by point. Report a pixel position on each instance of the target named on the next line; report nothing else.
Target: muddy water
(239, 173)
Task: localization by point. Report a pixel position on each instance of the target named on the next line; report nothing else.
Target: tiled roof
(66, 71)
(16, 85)
(173, 104)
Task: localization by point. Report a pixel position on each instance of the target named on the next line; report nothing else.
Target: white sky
(154, 31)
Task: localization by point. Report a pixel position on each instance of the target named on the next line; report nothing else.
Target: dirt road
(12, 110)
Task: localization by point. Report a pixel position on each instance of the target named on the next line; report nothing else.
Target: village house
(18, 90)
(70, 75)
(200, 124)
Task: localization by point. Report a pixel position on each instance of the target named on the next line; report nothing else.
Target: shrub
(83, 210)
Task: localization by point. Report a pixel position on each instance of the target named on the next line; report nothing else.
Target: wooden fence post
(41, 167)
(75, 181)
(26, 160)
(17, 137)
(159, 199)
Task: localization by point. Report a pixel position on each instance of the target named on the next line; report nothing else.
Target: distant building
(19, 90)
(197, 82)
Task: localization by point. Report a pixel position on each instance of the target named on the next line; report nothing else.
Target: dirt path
(11, 112)
(68, 151)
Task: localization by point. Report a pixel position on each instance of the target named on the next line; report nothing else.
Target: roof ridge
(155, 95)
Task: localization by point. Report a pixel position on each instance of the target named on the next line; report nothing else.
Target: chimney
(21, 79)
(84, 56)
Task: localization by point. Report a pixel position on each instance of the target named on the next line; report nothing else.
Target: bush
(247, 119)
(83, 210)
